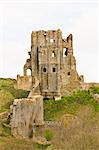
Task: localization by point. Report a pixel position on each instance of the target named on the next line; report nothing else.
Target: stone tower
(52, 65)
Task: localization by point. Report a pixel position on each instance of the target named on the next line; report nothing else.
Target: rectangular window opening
(54, 69)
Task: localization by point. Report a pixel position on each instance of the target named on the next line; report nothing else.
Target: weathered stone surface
(25, 113)
(52, 65)
(24, 82)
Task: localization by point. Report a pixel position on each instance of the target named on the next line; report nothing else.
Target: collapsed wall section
(25, 114)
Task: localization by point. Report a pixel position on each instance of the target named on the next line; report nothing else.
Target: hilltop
(79, 113)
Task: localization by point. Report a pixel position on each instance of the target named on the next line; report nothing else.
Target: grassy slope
(81, 104)
(84, 133)
(8, 93)
(10, 143)
(70, 104)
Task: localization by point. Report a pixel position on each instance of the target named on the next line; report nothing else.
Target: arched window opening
(64, 52)
(28, 72)
(53, 54)
(44, 69)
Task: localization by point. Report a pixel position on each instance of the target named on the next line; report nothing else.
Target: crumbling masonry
(52, 65)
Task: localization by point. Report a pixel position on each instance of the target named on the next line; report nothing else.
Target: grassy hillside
(53, 110)
(81, 133)
(8, 93)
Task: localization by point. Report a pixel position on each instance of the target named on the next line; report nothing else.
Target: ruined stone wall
(70, 80)
(25, 114)
(52, 64)
(86, 86)
(46, 47)
(24, 82)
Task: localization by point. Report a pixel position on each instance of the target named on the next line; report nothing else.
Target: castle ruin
(52, 66)
(53, 74)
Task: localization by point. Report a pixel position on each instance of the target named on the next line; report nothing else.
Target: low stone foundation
(26, 113)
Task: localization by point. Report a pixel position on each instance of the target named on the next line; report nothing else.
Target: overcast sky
(19, 18)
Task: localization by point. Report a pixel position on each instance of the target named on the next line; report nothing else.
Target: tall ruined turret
(52, 65)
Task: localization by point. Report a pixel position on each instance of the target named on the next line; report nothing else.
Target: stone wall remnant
(52, 65)
(25, 114)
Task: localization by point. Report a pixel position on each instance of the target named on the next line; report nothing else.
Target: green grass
(48, 134)
(10, 143)
(9, 86)
(81, 103)
(6, 99)
(8, 93)
(53, 110)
